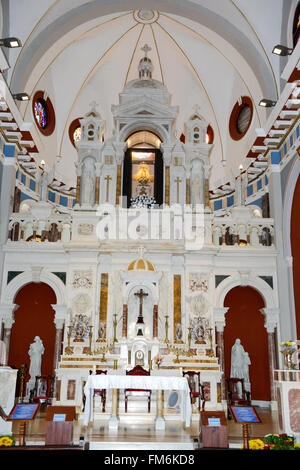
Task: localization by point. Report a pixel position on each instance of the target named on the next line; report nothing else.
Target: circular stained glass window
(40, 113)
(77, 134)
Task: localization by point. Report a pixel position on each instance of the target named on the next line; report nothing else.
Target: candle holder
(115, 328)
(166, 329)
(90, 340)
(68, 349)
(189, 338)
(211, 351)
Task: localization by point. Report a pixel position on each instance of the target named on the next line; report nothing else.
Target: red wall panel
(295, 246)
(245, 321)
(34, 317)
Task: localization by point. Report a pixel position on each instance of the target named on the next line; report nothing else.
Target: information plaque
(245, 414)
(23, 411)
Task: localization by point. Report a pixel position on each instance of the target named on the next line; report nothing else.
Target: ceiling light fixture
(267, 103)
(282, 50)
(20, 96)
(10, 42)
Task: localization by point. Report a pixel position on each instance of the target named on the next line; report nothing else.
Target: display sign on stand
(245, 415)
(22, 412)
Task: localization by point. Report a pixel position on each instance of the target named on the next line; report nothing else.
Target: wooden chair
(43, 389)
(137, 370)
(236, 394)
(101, 392)
(196, 388)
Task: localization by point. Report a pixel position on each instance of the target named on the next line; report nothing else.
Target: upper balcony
(178, 226)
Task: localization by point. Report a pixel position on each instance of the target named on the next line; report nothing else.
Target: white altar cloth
(139, 382)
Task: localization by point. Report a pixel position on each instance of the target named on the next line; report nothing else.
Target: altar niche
(143, 174)
(140, 313)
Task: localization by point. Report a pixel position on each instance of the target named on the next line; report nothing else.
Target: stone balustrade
(26, 227)
(240, 228)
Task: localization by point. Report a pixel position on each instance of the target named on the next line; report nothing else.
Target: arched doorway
(143, 167)
(295, 248)
(245, 321)
(33, 317)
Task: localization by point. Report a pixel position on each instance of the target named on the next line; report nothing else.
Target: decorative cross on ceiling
(146, 49)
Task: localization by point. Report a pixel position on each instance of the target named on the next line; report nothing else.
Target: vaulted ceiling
(208, 53)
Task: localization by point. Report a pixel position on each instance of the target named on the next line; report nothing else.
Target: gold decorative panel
(176, 302)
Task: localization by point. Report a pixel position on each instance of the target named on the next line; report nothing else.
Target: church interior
(149, 246)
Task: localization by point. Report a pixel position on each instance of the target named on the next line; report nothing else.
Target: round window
(77, 134)
(43, 113)
(75, 131)
(40, 113)
(240, 118)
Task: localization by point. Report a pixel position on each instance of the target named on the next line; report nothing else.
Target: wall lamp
(267, 103)
(282, 50)
(10, 42)
(20, 96)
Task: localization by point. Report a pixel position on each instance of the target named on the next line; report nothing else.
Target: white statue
(36, 350)
(246, 377)
(197, 184)
(88, 186)
(240, 186)
(44, 178)
(2, 353)
(237, 360)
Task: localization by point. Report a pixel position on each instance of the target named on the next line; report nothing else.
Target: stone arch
(258, 284)
(37, 275)
(141, 126)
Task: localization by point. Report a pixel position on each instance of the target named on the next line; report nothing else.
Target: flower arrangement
(287, 350)
(274, 442)
(142, 201)
(7, 441)
(158, 360)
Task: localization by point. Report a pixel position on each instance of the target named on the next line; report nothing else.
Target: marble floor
(138, 432)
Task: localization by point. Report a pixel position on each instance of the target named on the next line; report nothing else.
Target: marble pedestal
(287, 386)
(8, 379)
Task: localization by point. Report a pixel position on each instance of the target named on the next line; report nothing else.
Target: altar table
(158, 383)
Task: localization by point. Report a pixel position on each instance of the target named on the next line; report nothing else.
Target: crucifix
(141, 294)
(178, 181)
(107, 179)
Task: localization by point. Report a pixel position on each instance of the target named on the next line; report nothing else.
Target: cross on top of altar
(93, 105)
(196, 109)
(141, 294)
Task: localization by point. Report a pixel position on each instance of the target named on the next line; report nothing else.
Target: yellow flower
(256, 444)
(6, 441)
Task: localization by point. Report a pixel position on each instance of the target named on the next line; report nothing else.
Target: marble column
(219, 317)
(58, 340)
(7, 314)
(271, 321)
